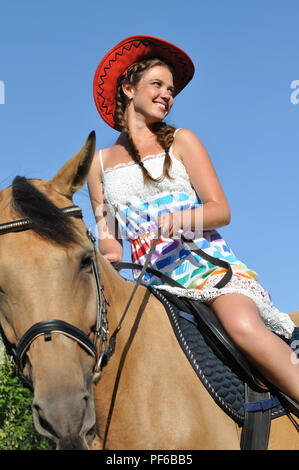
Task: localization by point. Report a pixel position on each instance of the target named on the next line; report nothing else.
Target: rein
(144, 268)
(193, 247)
(112, 342)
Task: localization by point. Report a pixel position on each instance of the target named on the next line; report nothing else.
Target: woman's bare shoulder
(184, 140)
(101, 157)
(183, 135)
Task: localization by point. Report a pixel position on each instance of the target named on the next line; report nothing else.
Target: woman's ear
(128, 90)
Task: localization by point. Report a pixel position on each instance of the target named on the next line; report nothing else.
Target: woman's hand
(170, 224)
(113, 257)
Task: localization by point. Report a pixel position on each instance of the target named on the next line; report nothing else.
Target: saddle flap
(216, 337)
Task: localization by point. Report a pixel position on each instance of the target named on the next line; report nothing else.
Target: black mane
(47, 219)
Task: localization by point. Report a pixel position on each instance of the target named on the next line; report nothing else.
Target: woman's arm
(215, 211)
(109, 245)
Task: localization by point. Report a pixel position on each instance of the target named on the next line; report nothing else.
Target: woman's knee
(245, 328)
(239, 318)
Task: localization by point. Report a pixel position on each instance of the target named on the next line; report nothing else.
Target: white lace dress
(136, 207)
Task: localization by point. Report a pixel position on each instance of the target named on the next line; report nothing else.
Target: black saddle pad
(223, 383)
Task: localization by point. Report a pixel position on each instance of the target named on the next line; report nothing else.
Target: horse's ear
(71, 177)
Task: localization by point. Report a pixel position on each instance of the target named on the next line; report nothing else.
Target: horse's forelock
(47, 219)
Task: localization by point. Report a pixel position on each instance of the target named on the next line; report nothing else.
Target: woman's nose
(166, 94)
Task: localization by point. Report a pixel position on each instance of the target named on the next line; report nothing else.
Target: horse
(47, 278)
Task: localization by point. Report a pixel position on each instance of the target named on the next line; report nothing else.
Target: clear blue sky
(239, 104)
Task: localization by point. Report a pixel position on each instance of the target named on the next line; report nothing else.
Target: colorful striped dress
(136, 207)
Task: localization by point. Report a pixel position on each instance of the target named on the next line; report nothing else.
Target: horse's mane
(46, 218)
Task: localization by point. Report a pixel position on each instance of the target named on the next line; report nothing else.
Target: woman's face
(153, 96)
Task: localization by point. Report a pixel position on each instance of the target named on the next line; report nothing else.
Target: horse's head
(46, 274)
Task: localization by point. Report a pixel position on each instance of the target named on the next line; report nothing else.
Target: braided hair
(164, 132)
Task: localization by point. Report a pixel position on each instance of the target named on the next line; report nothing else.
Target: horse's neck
(117, 289)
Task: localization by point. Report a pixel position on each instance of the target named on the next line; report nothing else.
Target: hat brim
(126, 53)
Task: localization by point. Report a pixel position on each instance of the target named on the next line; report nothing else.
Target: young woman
(156, 176)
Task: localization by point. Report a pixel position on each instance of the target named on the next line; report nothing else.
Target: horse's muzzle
(70, 423)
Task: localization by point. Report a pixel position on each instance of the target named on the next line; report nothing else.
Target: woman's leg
(271, 355)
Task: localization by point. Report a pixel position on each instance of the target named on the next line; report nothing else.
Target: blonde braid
(120, 107)
(165, 137)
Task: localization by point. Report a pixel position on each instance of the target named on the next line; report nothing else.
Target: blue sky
(240, 104)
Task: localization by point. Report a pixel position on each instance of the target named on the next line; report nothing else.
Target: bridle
(17, 354)
(103, 354)
(46, 328)
(105, 350)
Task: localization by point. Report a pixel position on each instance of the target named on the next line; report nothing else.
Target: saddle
(222, 368)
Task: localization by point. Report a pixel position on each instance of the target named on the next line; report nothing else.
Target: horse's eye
(86, 262)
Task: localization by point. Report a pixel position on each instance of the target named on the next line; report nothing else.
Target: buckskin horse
(50, 297)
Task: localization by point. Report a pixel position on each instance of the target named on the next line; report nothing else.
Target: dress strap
(101, 162)
(170, 150)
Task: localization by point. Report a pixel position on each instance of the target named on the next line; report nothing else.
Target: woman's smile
(161, 105)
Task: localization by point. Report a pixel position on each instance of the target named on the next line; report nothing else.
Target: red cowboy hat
(126, 53)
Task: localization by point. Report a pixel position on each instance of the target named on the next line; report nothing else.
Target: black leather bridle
(46, 328)
(101, 357)
(17, 354)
